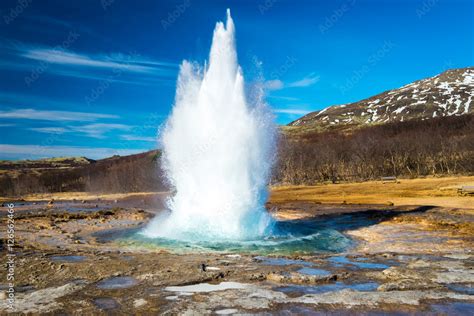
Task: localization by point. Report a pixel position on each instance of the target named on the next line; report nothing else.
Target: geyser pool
(286, 238)
(218, 149)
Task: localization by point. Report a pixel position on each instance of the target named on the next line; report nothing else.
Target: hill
(134, 173)
(447, 94)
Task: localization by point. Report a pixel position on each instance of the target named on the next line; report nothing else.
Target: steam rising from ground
(218, 149)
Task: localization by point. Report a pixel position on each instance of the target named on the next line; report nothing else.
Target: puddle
(67, 258)
(461, 288)
(106, 303)
(206, 287)
(302, 289)
(340, 261)
(116, 283)
(281, 261)
(312, 271)
(456, 308)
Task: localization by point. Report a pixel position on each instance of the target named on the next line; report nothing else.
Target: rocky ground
(405, 259)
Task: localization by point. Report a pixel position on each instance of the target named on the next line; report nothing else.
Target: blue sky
(97, 78)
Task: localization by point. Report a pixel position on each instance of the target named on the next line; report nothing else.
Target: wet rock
(300, 279)
(398, 273)
(275, 277)
(234, 256)
(463, 276)
(356, 298)
(212, 268)
(227, 311)
(42, 301)
(258, 277)
(139, 303)
(407, 284)
(458, 256)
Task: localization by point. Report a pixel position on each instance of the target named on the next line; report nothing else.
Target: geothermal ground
(412, 251)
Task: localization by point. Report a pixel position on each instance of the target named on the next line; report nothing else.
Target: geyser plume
(218, 149)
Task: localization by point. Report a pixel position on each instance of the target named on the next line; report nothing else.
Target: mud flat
(402, 258)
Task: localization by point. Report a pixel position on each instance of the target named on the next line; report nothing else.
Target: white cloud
(36, 152)
(131, 63)
(274, 85)
(132, 68)
(283, 98)
(98, 130)
(49, 130)
(47, 115)
(292, 111)
(138, 138)
(307, 81)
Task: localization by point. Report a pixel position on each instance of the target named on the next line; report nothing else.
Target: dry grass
(429, 191)
(66, 196)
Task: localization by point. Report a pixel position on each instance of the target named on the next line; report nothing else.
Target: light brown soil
(430, 191)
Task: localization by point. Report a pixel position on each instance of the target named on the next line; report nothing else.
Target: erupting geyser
(218, 148)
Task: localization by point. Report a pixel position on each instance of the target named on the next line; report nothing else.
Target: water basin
(67, 258)
(117, 283)
(313, 271)
(106, 303)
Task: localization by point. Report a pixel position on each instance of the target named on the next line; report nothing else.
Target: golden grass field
(427, 191)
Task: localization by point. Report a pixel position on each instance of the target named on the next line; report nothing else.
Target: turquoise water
(339, 261)
(287, 237)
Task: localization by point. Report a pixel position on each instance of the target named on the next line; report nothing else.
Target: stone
(139, 302)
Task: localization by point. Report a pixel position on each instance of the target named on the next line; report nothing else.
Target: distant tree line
(439, 146)
(116, 174)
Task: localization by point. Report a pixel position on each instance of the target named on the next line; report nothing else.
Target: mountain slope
(449, 93)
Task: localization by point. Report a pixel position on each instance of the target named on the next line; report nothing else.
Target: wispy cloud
(49, 130)
(138, 138)
(274, 84)
(114, 61)
(47, 115)
(96, 130)
(99, 129)
(283, 98)
(292, 111)
(34, 151)
(307, 81)
(63, 61)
